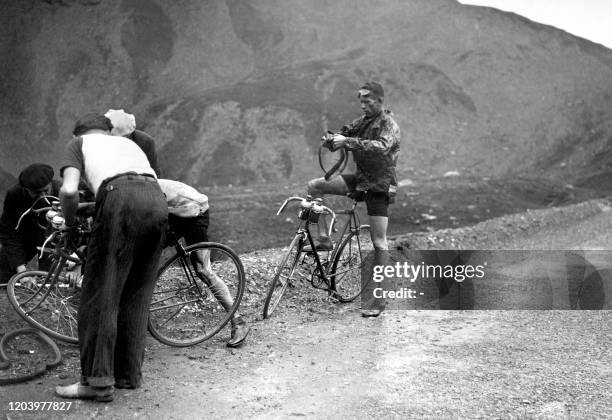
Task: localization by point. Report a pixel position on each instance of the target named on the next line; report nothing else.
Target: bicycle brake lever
(333, 220)
(44, 245)
(22, 216)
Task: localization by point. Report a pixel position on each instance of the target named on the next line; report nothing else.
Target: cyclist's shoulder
(387, 121)
(357, 121)
(388, 115)
(16, 198)
(14, 192)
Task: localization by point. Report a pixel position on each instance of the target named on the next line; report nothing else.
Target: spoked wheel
(50, 306)
(196, 294)
(282, 276)
(346, 268)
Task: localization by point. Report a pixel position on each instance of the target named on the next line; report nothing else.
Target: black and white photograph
(320, 209)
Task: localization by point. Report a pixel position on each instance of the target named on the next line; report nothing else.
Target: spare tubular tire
(42, 368)
(338, 167)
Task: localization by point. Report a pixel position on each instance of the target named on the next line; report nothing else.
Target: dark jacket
(19, 246)
(147, 144)
(375, 143)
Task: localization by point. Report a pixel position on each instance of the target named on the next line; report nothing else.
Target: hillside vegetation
(239, 92)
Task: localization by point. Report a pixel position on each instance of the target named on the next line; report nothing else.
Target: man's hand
(327, 136)
(74, 276)
(29, 282)
(21, 268)
(339, 141)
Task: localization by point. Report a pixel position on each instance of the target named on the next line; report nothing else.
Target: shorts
(193, 229)
(377, 203)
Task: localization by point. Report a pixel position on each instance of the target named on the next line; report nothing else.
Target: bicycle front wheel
(196, 294)
(47, 303)
(346, 267)
(282, 276)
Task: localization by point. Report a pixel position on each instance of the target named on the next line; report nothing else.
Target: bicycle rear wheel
(196, 294)
(47, 303)
(346, 268)
(282, 276)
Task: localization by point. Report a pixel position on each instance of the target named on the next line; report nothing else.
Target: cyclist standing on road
(374, 140)
(19, 245)
(122, 256)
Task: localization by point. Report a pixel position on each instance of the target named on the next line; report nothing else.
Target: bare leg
(317, 188)
(201, 261)
(378, 231)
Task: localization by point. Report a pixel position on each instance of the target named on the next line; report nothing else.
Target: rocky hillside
(238, 92)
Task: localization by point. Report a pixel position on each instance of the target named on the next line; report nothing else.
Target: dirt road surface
(316, 359)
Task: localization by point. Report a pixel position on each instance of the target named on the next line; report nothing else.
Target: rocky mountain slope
(238, 92)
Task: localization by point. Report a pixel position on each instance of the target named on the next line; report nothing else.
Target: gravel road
(316, 359)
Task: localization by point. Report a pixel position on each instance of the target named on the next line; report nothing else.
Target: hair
(92, 121)
(375, 91)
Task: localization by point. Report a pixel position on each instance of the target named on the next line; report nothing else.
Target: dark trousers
(120, 275)
(193, 229)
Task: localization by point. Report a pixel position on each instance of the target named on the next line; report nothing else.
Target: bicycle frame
(351, 225)
(186, 265)
(59, 251)
(53, 276)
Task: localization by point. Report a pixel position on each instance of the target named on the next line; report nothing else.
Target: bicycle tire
(332, 162)
(280, 282)
(183, 310)
(345, 272)
(50, 306)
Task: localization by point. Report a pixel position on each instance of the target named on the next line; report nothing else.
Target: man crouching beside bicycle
(374, 140)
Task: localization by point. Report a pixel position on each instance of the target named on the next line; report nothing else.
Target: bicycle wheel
(51, 306)
(345, 274)
(282, 276)
(196, 294)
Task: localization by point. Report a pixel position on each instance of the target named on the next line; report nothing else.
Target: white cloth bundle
(183, 200)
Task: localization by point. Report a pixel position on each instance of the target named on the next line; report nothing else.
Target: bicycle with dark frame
(337, 271)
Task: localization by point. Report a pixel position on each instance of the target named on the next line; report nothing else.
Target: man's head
(92, 121)
(36, 179)
(123, 123)
(371, 96)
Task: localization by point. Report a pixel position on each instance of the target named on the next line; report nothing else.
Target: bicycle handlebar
(57, 223)
(309, 204)
(32, 209)
(287, 201)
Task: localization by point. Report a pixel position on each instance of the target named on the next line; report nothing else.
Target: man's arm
(69, 194)
(147, 144)
(389, 137)
(152, 156)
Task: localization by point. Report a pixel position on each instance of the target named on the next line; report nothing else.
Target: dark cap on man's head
(36, 176)
(92, 121)
(375, 90)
